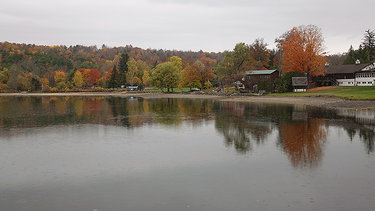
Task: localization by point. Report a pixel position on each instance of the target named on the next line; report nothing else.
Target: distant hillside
(36, 58)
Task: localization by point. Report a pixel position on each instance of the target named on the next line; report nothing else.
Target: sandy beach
(328, 102)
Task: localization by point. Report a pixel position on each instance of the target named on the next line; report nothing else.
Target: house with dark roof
(350, 75)
(255, 76)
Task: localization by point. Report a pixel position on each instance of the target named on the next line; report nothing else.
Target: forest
(30, 67)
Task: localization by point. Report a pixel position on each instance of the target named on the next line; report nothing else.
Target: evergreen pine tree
(123, 68)
(361, 54)
(369, 45)
(113, 80)
(350, 58)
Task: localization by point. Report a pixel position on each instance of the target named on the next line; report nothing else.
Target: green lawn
(352, 93)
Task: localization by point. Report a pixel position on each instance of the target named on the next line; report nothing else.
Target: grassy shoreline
(347, 93)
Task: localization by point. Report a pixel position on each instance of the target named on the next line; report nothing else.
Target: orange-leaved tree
(303, 51)
(94, 76)
(190, 77)
(205, 69)
(90, 76)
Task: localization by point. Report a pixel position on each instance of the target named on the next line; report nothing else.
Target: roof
(347, 68)
(260, 72)
(370, 67)
(299, 81)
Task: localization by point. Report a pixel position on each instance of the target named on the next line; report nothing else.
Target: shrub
(3, 87)
(46, 88)
(230, 90)
(140, 86)
(53, 89)
(207, 85)
(98, 89)
(266, 85)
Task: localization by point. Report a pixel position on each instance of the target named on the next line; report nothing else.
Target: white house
(353, 74)
(366, 77)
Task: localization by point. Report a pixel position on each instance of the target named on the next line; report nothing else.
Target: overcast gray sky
(209, 25)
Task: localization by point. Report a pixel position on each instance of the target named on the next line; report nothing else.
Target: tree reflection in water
(366, 135)
(236, 122)
(303, 141)
(301, 137)
(301, 131)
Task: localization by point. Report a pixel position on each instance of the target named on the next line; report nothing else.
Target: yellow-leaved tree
(78, 79)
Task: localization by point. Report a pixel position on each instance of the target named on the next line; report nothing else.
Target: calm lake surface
(73, 153)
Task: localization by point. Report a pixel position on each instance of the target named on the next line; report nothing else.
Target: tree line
(32, 68)
(299, 50)
(365, 52)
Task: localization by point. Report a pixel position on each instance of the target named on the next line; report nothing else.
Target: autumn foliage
(190, 77)
(90, 76)
(300, 50)
(198, 74)
(60, 79)
(303, 51)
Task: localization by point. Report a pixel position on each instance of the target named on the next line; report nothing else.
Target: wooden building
(253, 77)
(299, 84)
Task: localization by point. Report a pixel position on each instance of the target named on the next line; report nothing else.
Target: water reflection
(365, 133)
(303, 141)
(302, 131)
(242, 124)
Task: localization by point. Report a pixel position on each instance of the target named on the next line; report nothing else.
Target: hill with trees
(29, 67)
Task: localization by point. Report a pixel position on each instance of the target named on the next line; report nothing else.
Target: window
(369, 82)
(363, 82)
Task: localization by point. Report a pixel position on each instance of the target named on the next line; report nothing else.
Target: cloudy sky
(209, 25)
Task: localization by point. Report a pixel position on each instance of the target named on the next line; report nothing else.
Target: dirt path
(330, 102)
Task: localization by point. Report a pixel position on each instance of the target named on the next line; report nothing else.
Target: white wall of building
(361, 79)
(299, 90)
(346, 82)
(365, 79)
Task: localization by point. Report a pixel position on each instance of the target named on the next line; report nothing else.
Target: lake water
(72, 153)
